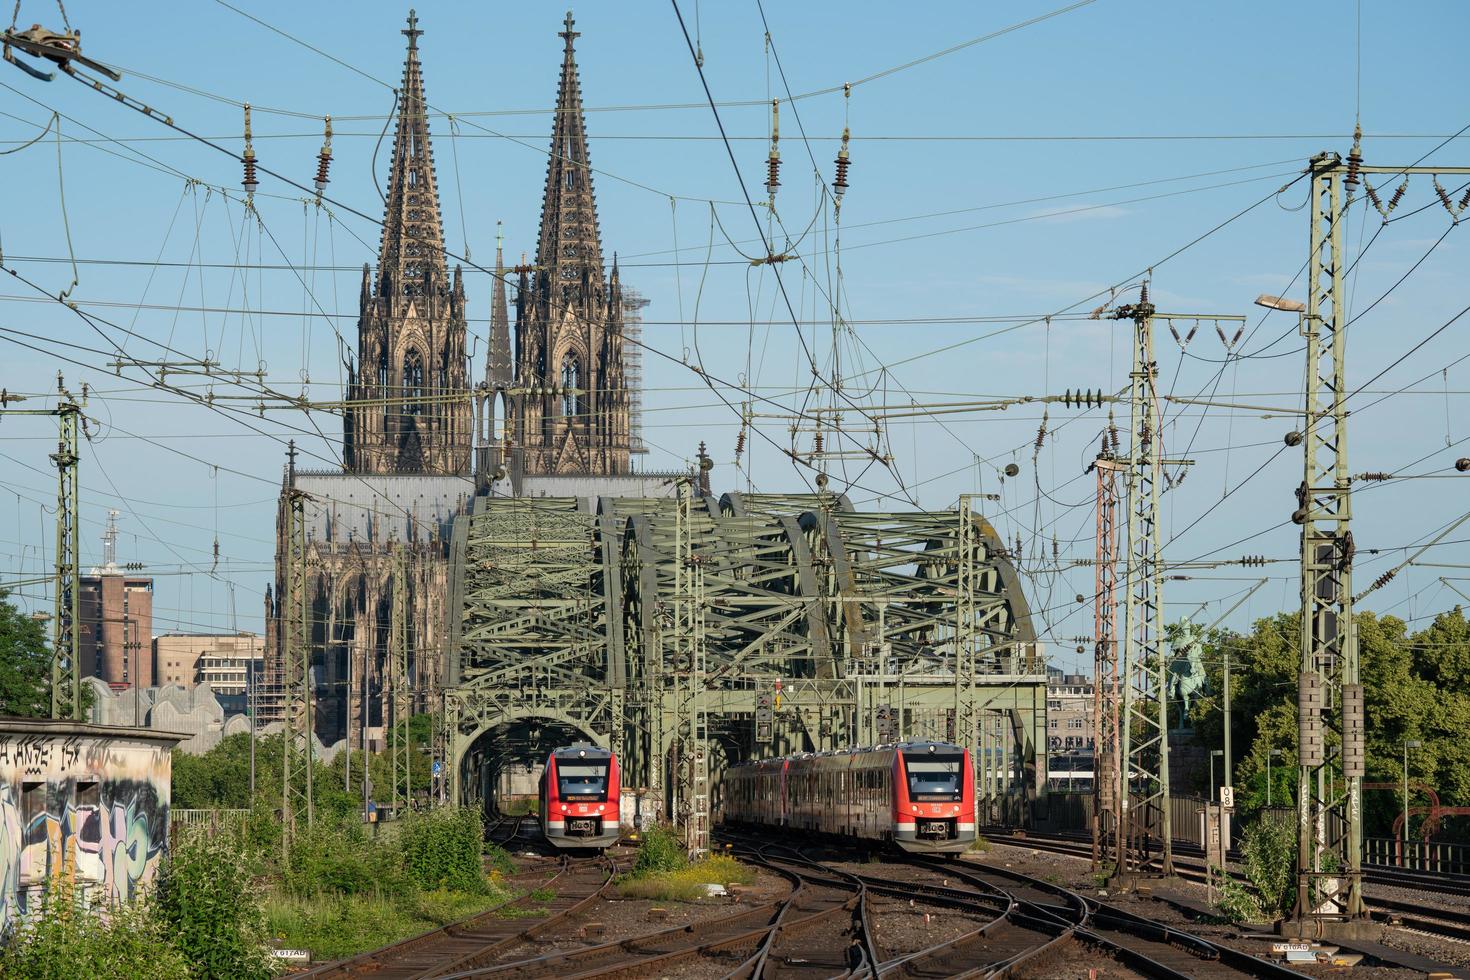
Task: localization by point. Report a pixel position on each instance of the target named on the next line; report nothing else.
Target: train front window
(581, 781)
(934, 778)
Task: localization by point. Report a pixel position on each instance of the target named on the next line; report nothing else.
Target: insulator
(1383, 579)
(1221, 331)
(839, 185)
(1444, 197)
(1398, 195)
(773, 162)
(1373, 196)
(1253, 561)
(248, 158)
(1143, 293)
(1041, 432)
(740, 442)
(1463, 464)
(324, 158)
(1465, 201)
(817, 442)
(1192, 331)
(1236, 339)
(1113, 435)
(1376, 477)
(1177, 339)
(1355, 161)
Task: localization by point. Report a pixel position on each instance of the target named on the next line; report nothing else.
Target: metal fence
(215, 820)
(1065, 812)
(1418, 855)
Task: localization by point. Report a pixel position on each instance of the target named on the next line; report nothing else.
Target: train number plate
(581, 826)
(935, 828)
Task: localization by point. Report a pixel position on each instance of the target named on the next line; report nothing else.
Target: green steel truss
(732, 627)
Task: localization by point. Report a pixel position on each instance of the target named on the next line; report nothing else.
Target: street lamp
(1269, 756)
(1409, 743)
(1280, 303)
(1213, 754)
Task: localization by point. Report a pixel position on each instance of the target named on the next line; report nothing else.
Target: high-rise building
(116, 619)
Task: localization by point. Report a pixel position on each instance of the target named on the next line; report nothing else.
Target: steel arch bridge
(680, 631)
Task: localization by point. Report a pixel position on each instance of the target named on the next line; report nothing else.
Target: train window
(934, 777)
(585, 781)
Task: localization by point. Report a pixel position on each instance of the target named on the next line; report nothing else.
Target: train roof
(903, 747)
(581, 750)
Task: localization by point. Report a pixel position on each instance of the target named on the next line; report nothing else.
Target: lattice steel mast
(396, 715)
(1143, 753)
(297, 762)
(1105, 787)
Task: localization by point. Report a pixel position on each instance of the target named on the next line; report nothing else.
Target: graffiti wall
(84, 806)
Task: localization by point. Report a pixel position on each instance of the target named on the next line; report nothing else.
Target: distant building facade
(224, 661)
(116, 620)
(1070, 741)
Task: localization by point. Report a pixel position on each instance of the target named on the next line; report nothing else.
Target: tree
(25, 664)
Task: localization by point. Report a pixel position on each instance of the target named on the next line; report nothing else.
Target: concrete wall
(80, 804)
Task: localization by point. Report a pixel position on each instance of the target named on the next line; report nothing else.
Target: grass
(333, 925)
(687, 884)
(979, 845)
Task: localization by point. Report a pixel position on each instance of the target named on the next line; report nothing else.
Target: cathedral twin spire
(562, 387)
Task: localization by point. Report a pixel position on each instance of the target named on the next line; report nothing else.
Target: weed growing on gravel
(979, 845)
(687, 884)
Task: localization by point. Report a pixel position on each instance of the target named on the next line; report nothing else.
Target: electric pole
(693, 764)
(66, 663)
(297, 761)
(1105, 789)
(398, 700)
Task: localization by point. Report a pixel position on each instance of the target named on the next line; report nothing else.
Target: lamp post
(1409, 743)
(1214, 753)
(1269, 756)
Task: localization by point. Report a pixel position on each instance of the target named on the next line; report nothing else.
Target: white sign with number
(1227, 797)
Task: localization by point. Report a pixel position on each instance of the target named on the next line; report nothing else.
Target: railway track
(480, 938)
(1024, 920)
(1442, 922)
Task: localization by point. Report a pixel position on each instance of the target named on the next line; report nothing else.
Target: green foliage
(335, 926)
(25, 664)
(1235, 902)
(498, 862)
(1269, 852)
(661, 850)
(1417, 687)
(687, 883)
(441, 849)
(209, 903)
(61, 941)
(337, 857)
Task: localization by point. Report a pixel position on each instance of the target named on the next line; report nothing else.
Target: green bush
(1235, 902)
(1269, 850)
(661, 850)
(62, 941)
(337, 856)
(208, 901)
(442, 849)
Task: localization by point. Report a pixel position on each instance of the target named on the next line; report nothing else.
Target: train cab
(580, 793)
(934, 797)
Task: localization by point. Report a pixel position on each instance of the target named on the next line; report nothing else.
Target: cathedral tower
(571, 415)
(411, 365)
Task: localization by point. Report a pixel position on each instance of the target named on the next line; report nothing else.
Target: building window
(571, 380)
(413, 383)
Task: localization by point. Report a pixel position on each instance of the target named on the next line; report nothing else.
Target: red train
(918, 796)
(580, 792)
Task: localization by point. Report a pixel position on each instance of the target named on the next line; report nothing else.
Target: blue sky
(989, 187)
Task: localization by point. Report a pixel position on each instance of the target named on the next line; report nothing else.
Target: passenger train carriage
(580, 792)
(919, 796)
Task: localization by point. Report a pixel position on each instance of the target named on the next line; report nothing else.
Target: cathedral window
(413, 383)
(571, 379)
